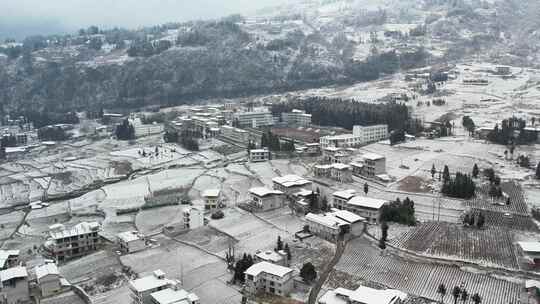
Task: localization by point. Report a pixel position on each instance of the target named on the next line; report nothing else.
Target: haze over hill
(31, 17)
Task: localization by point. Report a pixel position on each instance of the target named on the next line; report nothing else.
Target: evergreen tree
(538, 170)
(455, 293)
(288, 251)
(2, 152)
(279, 244)
(441, 290)
(308, 272)
(475, 171)
(433, 171)
(446, 174)
(366, 188)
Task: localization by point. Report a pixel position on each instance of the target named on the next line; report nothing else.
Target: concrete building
(340, 198)
(259, 155)
(336, 171)
(48, 279)
(14, 286)
(235, 134)
(331, 225)
(269, 278)
(131, 241)
(142, 289)
(264, 199)
(212, 198)
(363, 295)
(254, 119)
(193, 218)
(369, 165)
(530, 252)
(367, 207)
(296, 118)
(370, 134)
(270, 256)
(9, 258)
(290, 184)
(64, 244)
(174, 296)
(302, 200)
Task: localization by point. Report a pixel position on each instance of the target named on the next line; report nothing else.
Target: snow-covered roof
(345, 194)
(357, 164)
(268, 268)
(263, 191)
(129, 236)
(532, 283)
(347, 216)
(269, 256)
(211, 193)
(291, 180)
(304, 192)
(79, 229)
(323, 167)
(5, 254)
(13, 273)
(327, 220)
(372, 156)
(46, 269)
(171, 296)
(530, 246)
(340, 166)
(150, 282)
(363, 295)
(367, 202)
(259, 151)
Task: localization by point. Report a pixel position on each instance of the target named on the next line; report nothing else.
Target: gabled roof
(46, 269)
(345, 194)
(270, 256)
(367, 202)
(291, 180)
(327, 220)
(530, 246)
(348, 216)
(211, 193)
(79, 229)
(268, 268)
(263, 191)
(363, 295)
(13, 273)
(171, 296)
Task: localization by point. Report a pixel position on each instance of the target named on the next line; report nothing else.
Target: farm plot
(363, 261)
(492, 246)
(91, 267)
(518, 204)
(509, 221)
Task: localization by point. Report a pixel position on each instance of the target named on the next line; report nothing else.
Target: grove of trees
(399, 212)
(125, 131)
(461, 186)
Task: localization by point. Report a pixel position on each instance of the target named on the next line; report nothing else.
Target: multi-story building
(174, 296)
(259, 155)
(337, 171)
(64, 244)
(131, 241)
(212, 198)
(332, 225)
(14, 286)
(290, 184)
(367, 207)
(9, 258)
(235, 134)
(193, 218)
(340, 198)
(264, 199)
(142, 289)
(374, 164)
(269, 278)
(371, 133)
(48, 279)
(363, 295)
(254, 119)
(296, 118)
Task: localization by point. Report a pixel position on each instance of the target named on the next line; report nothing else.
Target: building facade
(269, 278)
(296, 118)
(131, 241)
(290, 184)
(212, 198)
(367, 207)
(263, 199)
(370, 134)
(259, 155)
(64, 244)
(14, 286)
(142, 289)
(193, 218)
(48, 279)
(254, 119)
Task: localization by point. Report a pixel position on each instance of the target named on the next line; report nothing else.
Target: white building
(174, 296)
(193, 218)
(141, 289)
(371, 133)
(14, 286)
(264, 199)
(363, 295)
(331, 225)
(269, 278)
(131, 241)
(254, 119)
(367, 207)
(212, 198)
(290, 184)
(270, 256)
(296, 118)
(259, 155)
(340, 198)
(49, 279)
(374, 164)
(341, 141)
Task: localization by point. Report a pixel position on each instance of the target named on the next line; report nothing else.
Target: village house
(131, 241)
(264, 199)
(367, 207)
(302, 200)
(174, 295)
(64, 244)
(141, 289)
(49, 280)
(332, 225)
(259, 155)
(374, 164)
(269, 278)
(341, 173)
(270, 256)
(212, 198)
(14, 286)
(290, 184)
(363, 295)
(340, 198)
(193, 218)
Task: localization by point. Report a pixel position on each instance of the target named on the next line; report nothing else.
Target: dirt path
(341, 245)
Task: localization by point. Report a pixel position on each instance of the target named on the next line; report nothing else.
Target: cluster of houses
(157, 289)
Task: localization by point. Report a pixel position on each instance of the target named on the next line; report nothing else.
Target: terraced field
(363, 261)
(492, 246)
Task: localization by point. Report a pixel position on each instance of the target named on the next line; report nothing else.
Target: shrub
(217, 215)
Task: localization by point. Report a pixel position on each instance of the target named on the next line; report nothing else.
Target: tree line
(505, 133)
(273, 143)
(399, 212)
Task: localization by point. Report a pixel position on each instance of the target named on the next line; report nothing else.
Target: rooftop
(270, 256)
(340, 166)
(13, 273)
(268, 268)
(291, 180)
(211, 193)
(347, 216)
(5, 254)
(46, 269)
(372, 156)
(171, 296)
(259, 151)
(150, 282)
(304, 192)
(263, 191)
(129, 236)
(345, 194)
(57, 232)
(363, 294)
(327, 220)
(367, 202)
(530, 246)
